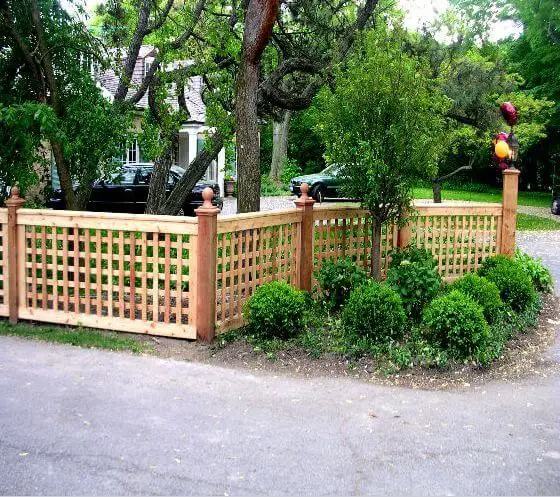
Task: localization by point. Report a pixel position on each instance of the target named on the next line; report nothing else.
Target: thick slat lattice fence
(185, 277)
(251, 250)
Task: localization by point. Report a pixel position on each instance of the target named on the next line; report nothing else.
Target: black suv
(127, 191)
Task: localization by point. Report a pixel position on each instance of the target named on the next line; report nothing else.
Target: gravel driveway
(538, 211)
(267, 204)
(546, 245)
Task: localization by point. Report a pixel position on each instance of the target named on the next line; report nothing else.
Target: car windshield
(331, 170)
(123, 177)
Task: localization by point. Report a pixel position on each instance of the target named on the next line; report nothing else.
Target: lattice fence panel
(459, 242)
(125, 280)
(249, 257)
(348, 233)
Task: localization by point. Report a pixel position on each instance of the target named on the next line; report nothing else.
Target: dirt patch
(523, 356)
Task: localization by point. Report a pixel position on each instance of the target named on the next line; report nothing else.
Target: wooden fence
(190, 277)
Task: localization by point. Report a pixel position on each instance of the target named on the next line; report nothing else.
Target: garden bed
(523, 356)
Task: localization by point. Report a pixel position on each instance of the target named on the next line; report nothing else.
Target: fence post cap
(207, 209)
(15, 199)
(305, 199)
(506, 172)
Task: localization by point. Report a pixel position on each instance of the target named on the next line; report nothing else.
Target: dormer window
(147, 65)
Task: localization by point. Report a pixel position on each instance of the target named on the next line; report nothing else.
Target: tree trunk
(280, 131)
(259, 21)
(436, 189)
(193, 173)
(70, 200)
(376, 250)
(157, 194)
(247, 139)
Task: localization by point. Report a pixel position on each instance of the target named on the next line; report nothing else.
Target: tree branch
(133, 51)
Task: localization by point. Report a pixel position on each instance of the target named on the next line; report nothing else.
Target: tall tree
(385, 125)
(49, 56)
(280, 133)
(259, 22)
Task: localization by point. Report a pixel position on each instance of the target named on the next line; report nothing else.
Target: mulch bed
(524, 356)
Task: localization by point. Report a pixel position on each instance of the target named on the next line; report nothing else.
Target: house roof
(109, 83)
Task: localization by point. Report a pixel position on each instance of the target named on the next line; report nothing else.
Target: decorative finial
(207, 195)
(304, 188)
(14, 192)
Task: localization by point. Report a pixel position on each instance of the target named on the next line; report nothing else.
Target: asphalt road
(77, 421)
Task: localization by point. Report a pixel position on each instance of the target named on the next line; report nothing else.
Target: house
(192, 132)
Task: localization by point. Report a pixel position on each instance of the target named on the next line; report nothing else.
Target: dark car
(555, 209)
(127, 191)
(321, 185)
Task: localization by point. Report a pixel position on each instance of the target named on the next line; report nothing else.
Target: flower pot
(229, 188)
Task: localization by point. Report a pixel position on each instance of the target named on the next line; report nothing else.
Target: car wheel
(319, 193)
(555, 207)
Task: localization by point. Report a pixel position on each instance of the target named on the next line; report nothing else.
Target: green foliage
(373, 315)
(526, 222)
(484, 292)
(456, 323)
(413, 274)
(80, 337)
(291, 170)
(412, 254)
(271, 189)
(516, 288)
(337, 279)
(276, 310)
(383, 124)
(535, 269)
(70, 111)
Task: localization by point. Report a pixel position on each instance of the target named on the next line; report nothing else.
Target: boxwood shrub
(483, 292)
(337, 279)
(374, 312)
(456, 323)
(276, 310)
(516, 288)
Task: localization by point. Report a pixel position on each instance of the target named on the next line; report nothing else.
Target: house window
(211, 173)
(131, 154)
(147, 65)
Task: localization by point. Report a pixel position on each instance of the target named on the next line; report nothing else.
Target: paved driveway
(78, 421)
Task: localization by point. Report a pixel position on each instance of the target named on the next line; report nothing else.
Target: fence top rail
(453, 203)
(108, 221)
(423, 208)
(3, 215)
(463, 209)
(238, 222)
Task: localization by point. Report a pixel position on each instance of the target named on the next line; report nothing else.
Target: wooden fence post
(206, 268)
(305, 204)
(509, 214)
(10, 250)
(404, 235)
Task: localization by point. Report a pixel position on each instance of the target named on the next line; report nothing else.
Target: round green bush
(417, 282)
(456, 323)
(374, 312)
(484, 292)
(337, 279)
(516, 288)
(276, 310)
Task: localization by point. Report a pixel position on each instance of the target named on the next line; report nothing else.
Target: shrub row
(469, 319)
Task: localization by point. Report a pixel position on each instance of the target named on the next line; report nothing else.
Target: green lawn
(535, 199)
(81, 337)
(525, 222)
